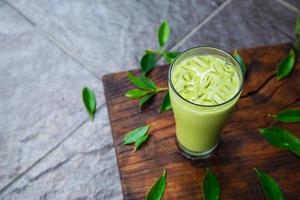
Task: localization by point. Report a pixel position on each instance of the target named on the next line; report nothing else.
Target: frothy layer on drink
(205, 79)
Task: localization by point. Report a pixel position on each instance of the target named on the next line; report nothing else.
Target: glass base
(192, 155)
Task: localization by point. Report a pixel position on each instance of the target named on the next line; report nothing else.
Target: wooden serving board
(241, 147)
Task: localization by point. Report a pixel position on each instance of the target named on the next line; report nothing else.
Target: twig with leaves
(150, 57)
(137, 137)
(145, 87)
(280, 137)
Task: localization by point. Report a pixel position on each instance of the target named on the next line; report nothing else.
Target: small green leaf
(270, 187)
(148, 82)
(140, 141)
(240, 60)
(145, 98)
(142, 82)
(210, 187)
(288, 116)
(286, 65)
(166, 104)
(158, 189)
(89, 100)
(136, 93)
(163, 33)
(297, 33)
(134, 135)
(148, 62)
(281, 138)
(170, 56)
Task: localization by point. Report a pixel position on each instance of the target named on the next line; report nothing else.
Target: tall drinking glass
(204, 84)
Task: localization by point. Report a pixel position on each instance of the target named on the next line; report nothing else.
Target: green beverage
(205, 84)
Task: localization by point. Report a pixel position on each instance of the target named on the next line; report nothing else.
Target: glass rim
(201, 105)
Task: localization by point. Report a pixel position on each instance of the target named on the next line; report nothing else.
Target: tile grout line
(53, 40)
(19, 12)
(66, 51)
(81, 124)
(199, 26)
(277, 28)
(286, 4)
(274, 26)
(2, 190)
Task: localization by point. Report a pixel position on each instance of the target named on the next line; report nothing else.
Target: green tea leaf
(148, 62)
(210, 187)
(140, 141)
(136, 93)
(240, 60)
(288, 116)
(286, 65)
(142, 82)
(163, 33)
(270, 187)
(297, 33)
(148, 82)
(166, 104)
(134, 135)
(145, 98)
(89, 100)
(281, 138)
(170, 56)
(158, 189)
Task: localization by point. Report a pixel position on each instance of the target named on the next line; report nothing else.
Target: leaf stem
(271, 116)
(162, 89)
(155, 52)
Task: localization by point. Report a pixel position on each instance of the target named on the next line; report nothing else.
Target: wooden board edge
(112, 134)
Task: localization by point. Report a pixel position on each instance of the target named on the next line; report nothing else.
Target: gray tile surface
(48, 149)
(78, 169)
(40, 101)
(11, 23)
(243, 24)
(111, 35)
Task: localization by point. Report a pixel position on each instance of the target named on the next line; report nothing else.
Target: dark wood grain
(241, 148)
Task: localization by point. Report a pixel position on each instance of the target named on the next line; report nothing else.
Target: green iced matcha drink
(205, 83)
